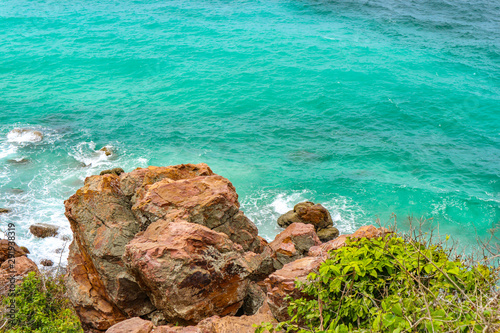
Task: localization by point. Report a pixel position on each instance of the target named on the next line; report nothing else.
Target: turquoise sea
(375, 108)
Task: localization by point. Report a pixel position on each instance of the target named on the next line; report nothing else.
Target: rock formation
(309, 213)
(43, 230)
(24, 135)
(165, 246)
(17, 267)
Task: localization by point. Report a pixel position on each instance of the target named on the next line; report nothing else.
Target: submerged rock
(4, 210)
(108, 151)
(43, 230)
(21, 135)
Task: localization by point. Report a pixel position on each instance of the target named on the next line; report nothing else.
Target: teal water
(373, 108)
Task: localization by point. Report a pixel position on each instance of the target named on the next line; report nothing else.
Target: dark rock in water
(115, 171)
(327, 234)
(309, 213)
(43, 230)
(19, 161)
(46, 262)
(4, 210)
(107, 151)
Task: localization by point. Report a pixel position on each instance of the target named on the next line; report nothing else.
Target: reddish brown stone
(132, 325)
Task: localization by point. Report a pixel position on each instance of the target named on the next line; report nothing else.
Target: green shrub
(41, 307)
(394, 285)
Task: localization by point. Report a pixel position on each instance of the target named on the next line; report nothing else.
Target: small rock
(115, 171)
(328, 234)
(309, 213)
(4, 210)
(107, 150)
(19, 161)
(132, 325)
(43, 230)
(46, 262)
(21, 135)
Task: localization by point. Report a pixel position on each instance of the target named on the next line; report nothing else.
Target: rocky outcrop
(8, 249)
(144, 211)
(14, 265)
(189, 271)
(294, 243)
(309, 213)
(281, 284)
(43, 230)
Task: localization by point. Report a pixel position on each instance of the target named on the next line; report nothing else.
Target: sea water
(378, 109)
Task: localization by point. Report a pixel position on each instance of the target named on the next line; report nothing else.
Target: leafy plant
(396, 285)
(41, 307)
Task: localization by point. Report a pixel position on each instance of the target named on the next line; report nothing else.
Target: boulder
(43, 230)
(260, 265)
(9, 249)
(294, 243)
(46, 262)
(281, 284)
(327, 233)
(132, 325)
(108, 151)
(307, 212)
(189, 271)
(14, 270)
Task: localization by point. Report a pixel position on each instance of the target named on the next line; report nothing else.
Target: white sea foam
(264, 208)
(23, 135)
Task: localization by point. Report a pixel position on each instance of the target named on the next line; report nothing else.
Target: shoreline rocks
(310, 213)
(21, 135)
(162, 246)
(44, 230)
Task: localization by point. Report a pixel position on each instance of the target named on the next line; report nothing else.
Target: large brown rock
(294, 243)
(132, 325)
(111, 209)
(8, 249)
(282, 283)
(44, 230)
(12, 272)
(189, 271)
(307, 212)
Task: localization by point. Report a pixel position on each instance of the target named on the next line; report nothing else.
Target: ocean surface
(378, 109)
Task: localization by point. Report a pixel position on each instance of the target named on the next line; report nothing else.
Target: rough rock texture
(115, 171)
(294, 243)
(16, 268)
(189, 271)
(307, 212)
(16, 250)
(132, 325)
(327, 234)
(43, 230)
(365, 231)
(260, 265)
(282, 283)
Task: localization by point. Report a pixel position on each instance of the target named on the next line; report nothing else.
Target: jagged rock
(365, 231)
(260, 265)
(307, 212)
(46, 262)
(7, 250)
(115, 171)
(14, 270)
(189, 271)
(254, 299)
(282, 283)
(327, 233)
(43, 230)
(132, 325)
(24, 135)
(106, 150)
(294, 243)
(210, 201)
(4, 210)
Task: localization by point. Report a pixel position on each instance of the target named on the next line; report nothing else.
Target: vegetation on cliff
(394, 284)
(41, 307)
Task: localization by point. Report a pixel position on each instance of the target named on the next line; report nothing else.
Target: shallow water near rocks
(373, 108)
